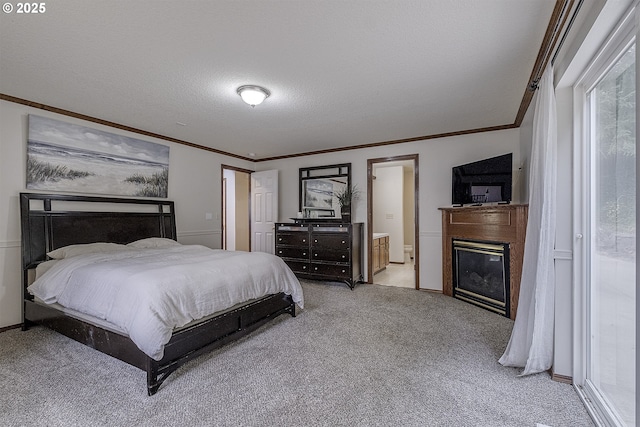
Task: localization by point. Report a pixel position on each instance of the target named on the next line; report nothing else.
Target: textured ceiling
(341, 73)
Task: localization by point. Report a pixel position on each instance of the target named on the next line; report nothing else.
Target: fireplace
(481, 274)
(488, 223)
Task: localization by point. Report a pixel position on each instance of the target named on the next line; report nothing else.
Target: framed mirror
(318, 189)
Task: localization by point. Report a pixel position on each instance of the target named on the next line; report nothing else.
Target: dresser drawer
(286, 252)
(297, 239)
(331, 270)
(298, 266)
(327, 254)
(333, 241)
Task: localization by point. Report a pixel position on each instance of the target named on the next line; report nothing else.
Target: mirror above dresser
(319, 187)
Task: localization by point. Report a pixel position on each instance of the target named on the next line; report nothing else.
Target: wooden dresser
(322, 250)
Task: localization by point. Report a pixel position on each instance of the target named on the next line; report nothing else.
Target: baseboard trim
(561, 378)
(8, 328)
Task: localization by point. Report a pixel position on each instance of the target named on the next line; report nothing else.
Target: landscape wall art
(318, 193)
(67, 157)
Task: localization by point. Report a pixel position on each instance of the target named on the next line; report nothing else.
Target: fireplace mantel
(489, 223)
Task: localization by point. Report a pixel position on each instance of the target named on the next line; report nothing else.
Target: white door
(264, 210)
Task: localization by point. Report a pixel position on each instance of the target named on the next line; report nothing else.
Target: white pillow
(45, 266)
(152, 243)
(88, 248)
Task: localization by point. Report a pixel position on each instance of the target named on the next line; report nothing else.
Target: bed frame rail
(215, 333)
(184, 346)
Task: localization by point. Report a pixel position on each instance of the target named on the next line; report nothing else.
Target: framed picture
(318, 194)
(72, 158)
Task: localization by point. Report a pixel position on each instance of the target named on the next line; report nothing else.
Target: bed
(54, 223)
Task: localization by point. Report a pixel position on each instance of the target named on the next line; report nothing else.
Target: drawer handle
(279, 252)
(316, 241)
(343, 271)
(304, 240)
(315, 254)
(343, 257)
(316, 268)
(304, 253)
(304, 267)
(343, 242)
(279, 239)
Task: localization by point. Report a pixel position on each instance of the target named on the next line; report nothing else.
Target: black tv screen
(484, 181)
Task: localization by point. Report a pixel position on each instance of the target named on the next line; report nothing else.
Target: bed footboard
(213, 333)
(185, 345)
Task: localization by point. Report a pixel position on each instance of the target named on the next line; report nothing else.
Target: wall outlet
(389, 216)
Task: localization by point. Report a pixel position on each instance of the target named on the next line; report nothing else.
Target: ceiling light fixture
(253, 95)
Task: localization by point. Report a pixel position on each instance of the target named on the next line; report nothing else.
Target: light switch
(208, 216)
(389, 216)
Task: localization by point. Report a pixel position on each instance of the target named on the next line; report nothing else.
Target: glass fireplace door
(481, 274)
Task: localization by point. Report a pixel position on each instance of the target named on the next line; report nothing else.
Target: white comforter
(149, 292)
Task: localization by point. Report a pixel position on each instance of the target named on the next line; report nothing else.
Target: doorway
(236, 196)
(392, 221)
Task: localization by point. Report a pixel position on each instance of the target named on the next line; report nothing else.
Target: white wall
(563, 254)
(436, 158)
(388, 205)
(194, 185)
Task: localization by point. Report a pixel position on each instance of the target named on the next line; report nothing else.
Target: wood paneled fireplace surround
(493, 225)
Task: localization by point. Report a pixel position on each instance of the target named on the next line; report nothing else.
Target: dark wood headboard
(51, 221)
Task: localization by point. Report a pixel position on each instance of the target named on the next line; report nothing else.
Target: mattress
(147, 294)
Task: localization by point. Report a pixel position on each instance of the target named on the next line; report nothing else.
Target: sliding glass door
(609, 221)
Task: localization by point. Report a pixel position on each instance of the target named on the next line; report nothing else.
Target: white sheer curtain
(531, 343)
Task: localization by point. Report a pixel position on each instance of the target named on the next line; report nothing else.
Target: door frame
(416, 226)
(223, 196)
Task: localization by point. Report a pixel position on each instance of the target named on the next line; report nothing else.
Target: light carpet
(374, 356)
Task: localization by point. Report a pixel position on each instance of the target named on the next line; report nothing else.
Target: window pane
(613, 245)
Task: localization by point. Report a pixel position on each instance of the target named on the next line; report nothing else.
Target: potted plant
(346, 197)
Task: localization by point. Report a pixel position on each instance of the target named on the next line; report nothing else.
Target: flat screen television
(484, 181)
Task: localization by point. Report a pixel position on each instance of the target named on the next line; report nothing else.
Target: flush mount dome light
(253, 95)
